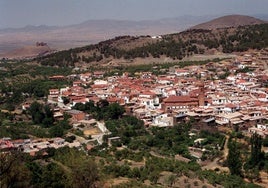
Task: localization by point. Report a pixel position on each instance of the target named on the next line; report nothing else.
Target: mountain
(91, 32)
(229, 21)
(94, 31)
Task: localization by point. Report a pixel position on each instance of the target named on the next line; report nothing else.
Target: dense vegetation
(67, 167)
(59, 168)
(175, 46)
(102, 110)
(20, 81)
(243, 163)
(37, 121)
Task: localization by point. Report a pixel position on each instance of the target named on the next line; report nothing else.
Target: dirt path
(225, 148)
(215, 163)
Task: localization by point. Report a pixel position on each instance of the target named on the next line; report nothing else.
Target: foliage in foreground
(62, 168)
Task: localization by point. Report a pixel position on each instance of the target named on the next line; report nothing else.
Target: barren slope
(229, 21)
(28, 51)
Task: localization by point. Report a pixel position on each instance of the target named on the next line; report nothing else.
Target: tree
(38, 117)
(233, 159)
(89, 106)
(114, 111)
(102, 103)
(70, 139)
(53, 175)
(256, 154)
(49, 118)
(66, 100)
(83, 170)
(41, 114)
(56, 131)
(36, 173)
(84, 174)
(79, 106)
(13, 172)
(36, 112)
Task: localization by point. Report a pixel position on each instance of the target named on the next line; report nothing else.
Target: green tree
(41, 114)
(103, 103)
(49, 118)
(233, 159)
(66, 100)
(36, 112)
(89, 106)
(114, 111)
(256, 154)
(56, 131)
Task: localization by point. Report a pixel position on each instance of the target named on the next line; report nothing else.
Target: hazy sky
(19, 13)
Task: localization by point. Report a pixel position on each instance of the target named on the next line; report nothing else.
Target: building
(179, 102)
(76, 115)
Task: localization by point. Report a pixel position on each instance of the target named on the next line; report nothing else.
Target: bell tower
(201, 96)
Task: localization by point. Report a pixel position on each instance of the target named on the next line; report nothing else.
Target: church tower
(201, 96)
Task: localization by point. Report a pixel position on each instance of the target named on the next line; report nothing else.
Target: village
(237, 101)
(240, 99)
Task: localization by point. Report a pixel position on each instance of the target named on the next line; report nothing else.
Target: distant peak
(229, 21)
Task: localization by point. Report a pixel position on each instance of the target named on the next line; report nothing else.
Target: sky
(19, 13)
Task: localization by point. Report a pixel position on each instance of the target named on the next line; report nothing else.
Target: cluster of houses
(32, 146)
(239, 100)
(92, 129)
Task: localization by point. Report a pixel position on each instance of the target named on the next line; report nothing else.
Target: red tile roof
(180, 99)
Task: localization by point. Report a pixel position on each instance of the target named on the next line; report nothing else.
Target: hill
(92, 32)
(172, 47)
(229, 21)
(28, 51)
